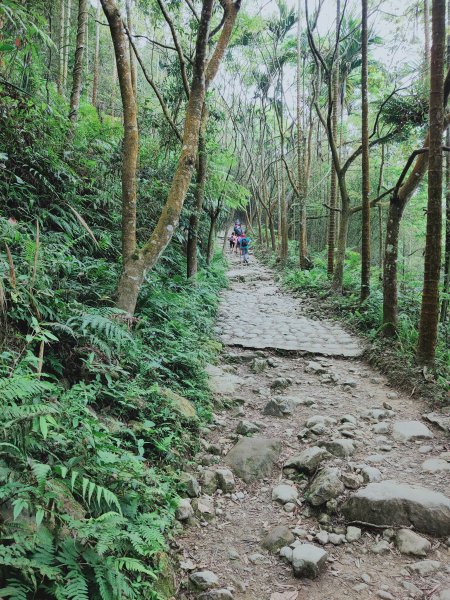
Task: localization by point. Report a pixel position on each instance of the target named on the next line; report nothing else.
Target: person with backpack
(237, 228)
(232, 239)
(245, 245)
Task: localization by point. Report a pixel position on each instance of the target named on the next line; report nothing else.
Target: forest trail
(289, 395)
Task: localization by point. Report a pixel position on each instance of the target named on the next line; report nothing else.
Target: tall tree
(301, 183)
(77, 79)
(365, 248)
(61, 49)
(96, 55)
(446, 286)
(429, 317)
(67, 42)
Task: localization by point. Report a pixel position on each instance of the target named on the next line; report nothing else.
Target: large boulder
(325, 486)
(253, 458)
(308, 460)
(408, 431)
(398, 504)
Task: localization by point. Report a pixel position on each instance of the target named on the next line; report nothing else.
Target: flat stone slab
(408, 431)
(221, 382)
(253, 458)
(396, 504)
(272, 319)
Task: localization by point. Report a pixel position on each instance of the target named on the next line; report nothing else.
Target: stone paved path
(271, 408)
(269, 318)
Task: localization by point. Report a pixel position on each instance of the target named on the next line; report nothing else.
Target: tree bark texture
(365, 246)
(96, 56)
(192, 243)
(429, 317)
(77, 80)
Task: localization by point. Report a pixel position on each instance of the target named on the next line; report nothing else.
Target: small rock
(308, 561)
(409, 542)
(233, 554)
(254, 457)
(278, 407)
(300, 532)
(190, 484)
(387, 406)
(209, 482)
(349, 419)
(381, 428)
(315, 367)
(366, 578)
(256, 558)
(389, 534)
(278, 537)
(425, 449)
(184, 510)
(247, 427)
(424, 567)
(353, 534)
(381, 547)
(337, 539)
(204, 506)
(284, 493)
(360, 587)
(442, 595)
(413, 591)
(341, 448)
(435, 465)
(259, 365)
(322, 537)
(222, 594)
(370, 474)
(225, 480)
(281, 383)
(325, 486)
(289, 507)
(352, 481)
(385, 595)
(204, 580)
(319, 420)
(308, 460)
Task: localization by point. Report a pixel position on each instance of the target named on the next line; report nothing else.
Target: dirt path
(359, 418)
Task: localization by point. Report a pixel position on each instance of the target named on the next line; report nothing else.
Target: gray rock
(203, 580)
(247, 427)
(370, 474)
(353, 534)
(376, 414)
(184, 510)
(385, 595)
(322, 537)
(424, 567)
(381, 547)
(222, 594)
(204, 506)
(435, 465)
(349, 419)
(315, 367)
(341, 448)
(408, 431)
(300, 532)
(259, 365)
(413, 590)
(284, 493)
(438, 419)
(278, 537)
(209, 481)
(325, 486)
(287, 552)
(381, 428)
(352, 481)
(278, 407)
(442, 595)
(308, 460)
(319, 429)
(281, 383)
(337, 539)
(253, 458)
(190, 484)
(309, 561)
(319, 420)
(409, 542)
(221, 382)
(225, 480)
(394, 504)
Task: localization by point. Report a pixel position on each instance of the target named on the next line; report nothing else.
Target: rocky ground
(317, 479)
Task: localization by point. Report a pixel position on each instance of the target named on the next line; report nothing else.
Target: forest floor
(278, 369)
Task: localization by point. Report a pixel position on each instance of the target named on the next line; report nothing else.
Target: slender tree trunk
(113, 90)
(211, 238)
(129, 10)
(426, 30)
(365, 248)
(61, 53)
(446, 285)
(96, 55)
(130, 145)
(333, 183)
(78, 63)
(380, 214)
(192, 266)
(67, 42)
(429, 317)
(300, 151)
(338, 275)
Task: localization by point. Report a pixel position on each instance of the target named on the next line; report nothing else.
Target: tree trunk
(365, 247)
(78, 63)
(333, 181)
(192, 243)
(67, 43)
(338, 276)
(426, 31)
(61, 53)
(130, 145)
(96, 55)
(446, 285)
(113, 90)
(203, 73)
(390, 293)
(211, 239)
(429, 317)
(300, 150)
(129, 10)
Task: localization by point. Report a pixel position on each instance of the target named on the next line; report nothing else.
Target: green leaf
(43, 425)
(19, 505)
(39, 516)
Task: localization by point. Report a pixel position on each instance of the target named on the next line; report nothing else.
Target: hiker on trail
(232, 239)
(238, 243)
(237, 228)
(245, 245)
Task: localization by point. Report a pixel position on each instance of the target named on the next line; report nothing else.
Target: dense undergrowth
(368, 318)
(96, 416)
